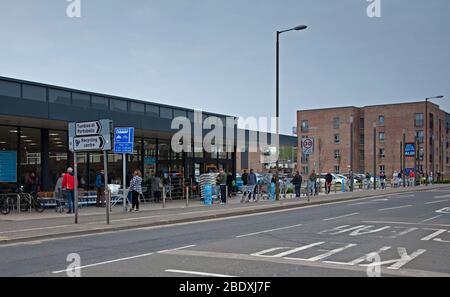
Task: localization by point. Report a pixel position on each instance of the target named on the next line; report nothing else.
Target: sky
(219, 55)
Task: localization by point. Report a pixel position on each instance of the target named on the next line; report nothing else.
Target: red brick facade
(390, 121)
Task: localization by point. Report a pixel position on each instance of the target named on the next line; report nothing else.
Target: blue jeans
(70, 202)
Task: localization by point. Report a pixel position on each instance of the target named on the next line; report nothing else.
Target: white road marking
(359, 260)
(344, 216)
(442, 196)
(35, 229)
(433, 202)
(198, 273)
(433, 235)
(301, 263)
(398, 207)
(404, 223)
(176, 249)
(430, 219)
(369, 202)
(329, 253)
(445, 210)
(302, 248)
(103, 263)
(270, 230)
(399, 263)
(403, 196)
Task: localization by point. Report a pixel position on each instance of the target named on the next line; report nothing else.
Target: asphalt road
(409, 232)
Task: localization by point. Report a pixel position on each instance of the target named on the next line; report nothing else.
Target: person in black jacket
(245, 177)
(230, 183)
(328, 181)
(297, 182)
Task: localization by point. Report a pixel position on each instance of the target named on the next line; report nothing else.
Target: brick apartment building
(330, 129)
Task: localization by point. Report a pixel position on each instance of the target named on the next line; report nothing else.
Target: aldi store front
(33, 136)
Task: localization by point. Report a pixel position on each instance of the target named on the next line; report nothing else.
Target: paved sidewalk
(33, 226)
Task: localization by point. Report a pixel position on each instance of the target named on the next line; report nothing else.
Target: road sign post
(123, 144)
(90, 137)
(75, 186)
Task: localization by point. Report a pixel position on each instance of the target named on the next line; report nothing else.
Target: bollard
(343, 185)
(164, 196)
(187, 196)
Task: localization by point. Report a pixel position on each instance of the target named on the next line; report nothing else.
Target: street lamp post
(404, 158)
(427, 126)
(298, 28)
(351, 153)
(374, 156)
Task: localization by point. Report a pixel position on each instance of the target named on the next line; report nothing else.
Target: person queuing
(328, 181)
(157, 187)
(312, 183)
(68, 185)
(230, 183)
(136, 189)
(383, 180)
(100, 186)
(222, 181)
(297, 182)
(251, 181)
(32, 184)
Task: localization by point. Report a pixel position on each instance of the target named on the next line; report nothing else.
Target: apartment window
(34, 93)
(381, 153)
(337, 154)
(336, 123)
(381, 120)
(305, 126)
(381, 136)
(82, 100)
(336, 169)
(305, 158)
(418, 121)
(136, 107)
(382, 168)
(152, 110)
(118, 105)
(420, 136)
(361, 155)
(361, 138)
(361, 123)
(58, 96)
(100, 102)
(337, 138)
(305, 170)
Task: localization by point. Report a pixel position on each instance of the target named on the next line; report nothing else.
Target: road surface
(403, 234)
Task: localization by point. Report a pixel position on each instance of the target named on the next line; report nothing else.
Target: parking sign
(123, 140)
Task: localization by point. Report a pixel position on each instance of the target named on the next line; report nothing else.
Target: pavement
(405, 232)
(31, 226)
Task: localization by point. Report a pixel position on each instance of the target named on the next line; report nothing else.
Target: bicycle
(30, 201)
(5, 205)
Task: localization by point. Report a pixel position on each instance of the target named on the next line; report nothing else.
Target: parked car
(336, 179)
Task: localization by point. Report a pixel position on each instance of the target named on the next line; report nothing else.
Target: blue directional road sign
(123, 140)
